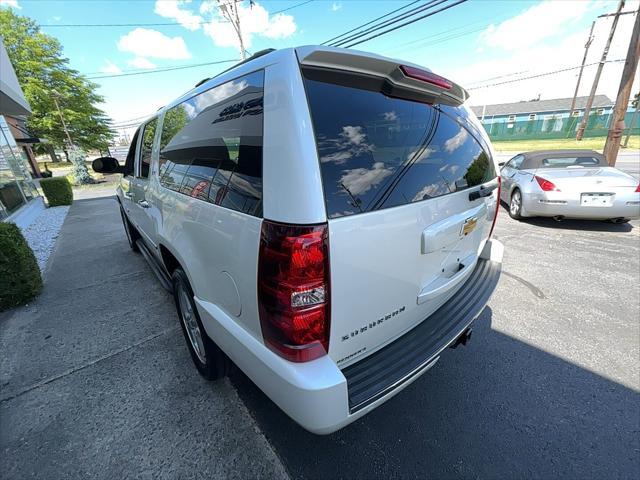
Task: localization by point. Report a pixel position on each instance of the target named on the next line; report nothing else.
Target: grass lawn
(595, 143)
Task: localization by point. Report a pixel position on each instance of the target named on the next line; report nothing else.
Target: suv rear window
(379, 152)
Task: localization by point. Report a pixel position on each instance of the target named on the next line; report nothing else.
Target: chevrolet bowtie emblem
(469, 225)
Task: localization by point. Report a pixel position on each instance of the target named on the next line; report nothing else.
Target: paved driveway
(547, 388)
(96, 380)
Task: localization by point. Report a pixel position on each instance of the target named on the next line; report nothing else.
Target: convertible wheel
(515, 207)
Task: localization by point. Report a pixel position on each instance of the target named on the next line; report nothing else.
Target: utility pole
(632, 123)
(616, 129)
(594, 87)
(584, 59)
(64, 125)
(229, 9)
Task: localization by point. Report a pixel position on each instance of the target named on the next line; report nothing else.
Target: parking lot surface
(547, 388)
(96, 379)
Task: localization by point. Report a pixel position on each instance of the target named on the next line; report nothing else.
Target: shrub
(20, 279)
(57, 190)
(80, 172)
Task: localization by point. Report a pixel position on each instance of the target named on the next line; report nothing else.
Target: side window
(211, 145)
(148, 135)
(131, 154)
(516, 162)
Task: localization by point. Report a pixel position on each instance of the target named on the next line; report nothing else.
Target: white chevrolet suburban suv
(323, 218)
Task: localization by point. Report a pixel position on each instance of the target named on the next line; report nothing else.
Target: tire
(515, 205)
(211, 362)
(130, 231)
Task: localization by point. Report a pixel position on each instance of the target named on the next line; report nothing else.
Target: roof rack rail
(246, 60)
(201, 82)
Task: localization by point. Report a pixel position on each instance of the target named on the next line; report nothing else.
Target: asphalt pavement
(96, 381)
(547, 388)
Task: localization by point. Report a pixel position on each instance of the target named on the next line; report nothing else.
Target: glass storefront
(16, 185)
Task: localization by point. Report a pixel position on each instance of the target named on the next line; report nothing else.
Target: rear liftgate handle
(442, 285)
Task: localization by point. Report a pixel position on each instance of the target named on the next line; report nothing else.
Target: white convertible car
(568, 184)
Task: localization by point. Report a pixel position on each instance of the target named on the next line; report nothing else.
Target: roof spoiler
(370, 71)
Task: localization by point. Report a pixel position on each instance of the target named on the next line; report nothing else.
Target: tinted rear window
(379, 152)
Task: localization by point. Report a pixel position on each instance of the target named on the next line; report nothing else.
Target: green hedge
(20, 279)
(57, 190)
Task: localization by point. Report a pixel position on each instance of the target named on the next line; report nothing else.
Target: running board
(156, 268)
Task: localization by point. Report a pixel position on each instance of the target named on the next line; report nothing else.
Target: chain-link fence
(553, 126)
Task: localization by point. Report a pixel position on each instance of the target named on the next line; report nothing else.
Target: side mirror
(501, 164)
(106, 165)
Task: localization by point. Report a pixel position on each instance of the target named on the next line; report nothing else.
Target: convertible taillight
(293, 289)
(546, 185)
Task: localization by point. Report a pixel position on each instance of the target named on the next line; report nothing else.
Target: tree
(41, 68)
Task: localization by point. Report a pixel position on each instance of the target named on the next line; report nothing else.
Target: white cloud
(110, 67)
(544, 20)
(497, 64)
(361, 180)
(10, 4)
(335, 6)
(255, 21)
(172, 9)
(144, 42)
(141, 62)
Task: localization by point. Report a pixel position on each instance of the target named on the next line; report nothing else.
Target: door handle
(128, 195)
(143, 203)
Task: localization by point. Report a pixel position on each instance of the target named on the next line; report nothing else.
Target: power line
(160, 70)
(545, 74)
(158, 24)
(391, 21)
(370, 22)
(446, 7)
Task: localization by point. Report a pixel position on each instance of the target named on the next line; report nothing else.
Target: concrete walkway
(96, 380)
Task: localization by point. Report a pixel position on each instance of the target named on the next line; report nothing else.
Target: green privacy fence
(552, 127)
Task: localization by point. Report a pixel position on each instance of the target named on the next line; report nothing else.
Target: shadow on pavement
(571, 224)
(498, 408)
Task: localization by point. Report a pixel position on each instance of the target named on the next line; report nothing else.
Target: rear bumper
(321, 397)
(551, 204)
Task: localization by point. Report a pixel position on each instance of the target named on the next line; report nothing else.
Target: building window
(532, 116)
(511, 118)
(16, 185)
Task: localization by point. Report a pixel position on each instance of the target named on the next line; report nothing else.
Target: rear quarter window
(379, 152)
(211, 145)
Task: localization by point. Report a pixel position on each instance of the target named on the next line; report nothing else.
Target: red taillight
(293, 290)
(638, 189)
(495, 216)
(425, 76)
(546, 185)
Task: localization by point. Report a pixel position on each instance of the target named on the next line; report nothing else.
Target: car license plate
(596, 199)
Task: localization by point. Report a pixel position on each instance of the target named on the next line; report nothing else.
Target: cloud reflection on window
(361, 180)
(351, 142)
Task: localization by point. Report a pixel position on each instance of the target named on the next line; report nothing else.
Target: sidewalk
(96, 380)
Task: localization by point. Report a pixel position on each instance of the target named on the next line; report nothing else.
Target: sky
(480, 44)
